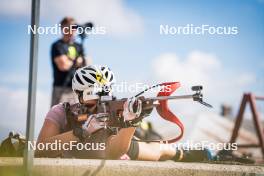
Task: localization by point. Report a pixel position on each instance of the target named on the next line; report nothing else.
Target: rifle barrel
(171, 97)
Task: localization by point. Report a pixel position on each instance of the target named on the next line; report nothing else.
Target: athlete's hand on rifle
(132, 109)
(95, 122)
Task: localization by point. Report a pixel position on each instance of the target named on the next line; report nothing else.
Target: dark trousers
(62, 94)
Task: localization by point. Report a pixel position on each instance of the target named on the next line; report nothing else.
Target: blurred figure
(66, 56)
(226, 110)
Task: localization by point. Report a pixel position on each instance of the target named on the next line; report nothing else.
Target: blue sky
(136, 53)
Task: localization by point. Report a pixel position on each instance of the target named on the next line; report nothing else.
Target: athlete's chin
(90, 103)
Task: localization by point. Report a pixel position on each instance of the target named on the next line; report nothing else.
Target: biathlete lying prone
(89, 84)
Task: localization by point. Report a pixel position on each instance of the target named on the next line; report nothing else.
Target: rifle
(110, 109)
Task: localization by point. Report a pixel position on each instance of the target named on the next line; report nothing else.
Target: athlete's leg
(152, 151)
(157, 152)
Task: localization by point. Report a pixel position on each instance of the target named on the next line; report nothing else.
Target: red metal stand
(251, 99)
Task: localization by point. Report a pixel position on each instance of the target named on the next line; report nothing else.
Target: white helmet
(93, 81)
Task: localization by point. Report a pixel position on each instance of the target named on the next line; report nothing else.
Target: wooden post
(257, 122)
(251, 99)
(239, 118)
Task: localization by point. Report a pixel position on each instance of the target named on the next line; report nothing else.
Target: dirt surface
(83, 167)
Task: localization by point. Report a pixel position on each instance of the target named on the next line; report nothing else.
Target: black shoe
(202, 155)
(226, 156)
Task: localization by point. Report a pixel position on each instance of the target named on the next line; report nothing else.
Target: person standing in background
(67, 56)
